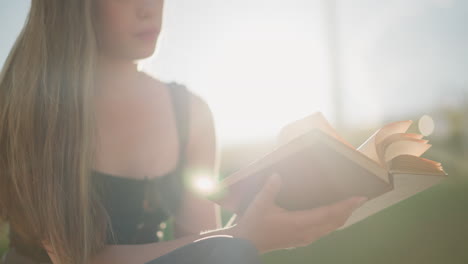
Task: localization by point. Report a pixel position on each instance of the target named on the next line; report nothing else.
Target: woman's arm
(197, 213)
(142, 253)
(125, 254)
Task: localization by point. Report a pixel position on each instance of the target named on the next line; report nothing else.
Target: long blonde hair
(47, 132)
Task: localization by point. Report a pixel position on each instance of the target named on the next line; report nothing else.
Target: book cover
(318, 167)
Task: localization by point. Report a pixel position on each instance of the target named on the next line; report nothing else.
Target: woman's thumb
(270, 189)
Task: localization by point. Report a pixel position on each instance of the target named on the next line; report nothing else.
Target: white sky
(260, 64)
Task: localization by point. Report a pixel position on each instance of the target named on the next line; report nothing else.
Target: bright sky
(260, 64)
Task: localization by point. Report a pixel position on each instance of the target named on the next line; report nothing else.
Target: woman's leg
(213, 250)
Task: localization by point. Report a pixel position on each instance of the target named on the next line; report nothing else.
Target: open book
(318, 167)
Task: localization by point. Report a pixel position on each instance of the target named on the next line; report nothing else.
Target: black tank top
(136, 207)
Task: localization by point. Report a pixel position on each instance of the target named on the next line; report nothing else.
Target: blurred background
(261, 64)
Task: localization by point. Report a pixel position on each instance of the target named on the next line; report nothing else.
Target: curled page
(369, 147)
(405, 147)
(410, 143)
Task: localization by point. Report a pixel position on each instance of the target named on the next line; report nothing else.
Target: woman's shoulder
(198, 114)
(153, 82)
(198, 106)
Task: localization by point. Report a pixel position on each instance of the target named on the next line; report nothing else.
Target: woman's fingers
(270, 189)
(263, 217)
(334, 215)
(310, 225)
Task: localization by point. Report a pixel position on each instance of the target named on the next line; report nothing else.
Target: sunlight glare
(204, 184)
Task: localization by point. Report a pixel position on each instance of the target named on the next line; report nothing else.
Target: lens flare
(426, 125)
(204, 184)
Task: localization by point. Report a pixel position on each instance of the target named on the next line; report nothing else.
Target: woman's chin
(139, 54)
(144, 51)
(144, 55)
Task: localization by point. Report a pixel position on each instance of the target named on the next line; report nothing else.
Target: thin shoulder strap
(180, 102)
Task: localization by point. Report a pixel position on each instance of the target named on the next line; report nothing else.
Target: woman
(94, 154)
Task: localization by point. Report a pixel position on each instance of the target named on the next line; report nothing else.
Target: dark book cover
(313, 175)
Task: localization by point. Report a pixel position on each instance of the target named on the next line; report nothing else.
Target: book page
(412, 135)
(405, 147)
(416, 165)
(409, 144)
(369, 147)
(405, 186)
(306, 124)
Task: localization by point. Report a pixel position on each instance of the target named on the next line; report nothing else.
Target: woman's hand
(270, 227)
